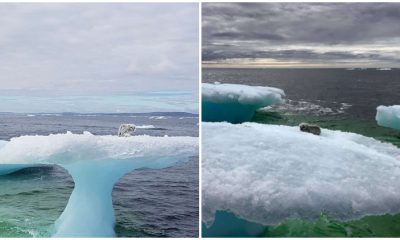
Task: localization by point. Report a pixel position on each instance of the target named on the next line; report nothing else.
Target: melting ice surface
(388, 116)
(268, 173)
(95, 163)
(236, 103)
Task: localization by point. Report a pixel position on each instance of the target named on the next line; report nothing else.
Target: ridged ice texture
(236, 103)
(388, 116)
(268, 173)
(95, 163)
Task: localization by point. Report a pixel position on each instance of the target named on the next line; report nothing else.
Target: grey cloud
(246, 30)
(330, 23)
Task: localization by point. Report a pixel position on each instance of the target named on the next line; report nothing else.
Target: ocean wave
(158, 117)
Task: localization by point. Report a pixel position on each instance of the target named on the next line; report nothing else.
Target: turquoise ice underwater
(95, 163)
(346, 176)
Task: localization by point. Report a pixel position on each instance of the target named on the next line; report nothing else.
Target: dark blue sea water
(147, 203)
(359, 91)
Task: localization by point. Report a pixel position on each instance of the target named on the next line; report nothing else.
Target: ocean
(337, 99)
(147, 203)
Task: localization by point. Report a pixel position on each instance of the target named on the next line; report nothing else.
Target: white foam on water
(269, 173)
(95, 163)
(388, 116)
(158, 117)
(145, 127)
(289, 107)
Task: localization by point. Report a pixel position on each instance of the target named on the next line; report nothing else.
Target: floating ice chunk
(388, 116)
(268, 173)
(95, 163)
(236, 103)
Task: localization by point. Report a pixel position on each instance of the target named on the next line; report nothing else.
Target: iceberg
(268, 173)
(95, 164)
(383, 69)
(236, 103)
(388, 116)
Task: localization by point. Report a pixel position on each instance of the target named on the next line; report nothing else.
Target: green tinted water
(361, 126)
(31, 200)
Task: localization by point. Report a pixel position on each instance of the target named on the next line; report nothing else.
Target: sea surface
(337, 99)
(147, 203)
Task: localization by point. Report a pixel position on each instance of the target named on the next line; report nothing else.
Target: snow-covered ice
(268, 173)
(236, 103)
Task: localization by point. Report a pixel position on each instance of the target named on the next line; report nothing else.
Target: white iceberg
(95, 164)
(383, 69)
(268, 173)
(236, 103)
(388, 116)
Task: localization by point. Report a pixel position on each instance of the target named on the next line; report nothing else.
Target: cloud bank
(301, 34)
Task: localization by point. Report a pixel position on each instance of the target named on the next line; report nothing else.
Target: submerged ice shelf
(269, 173)
(236, 103)
(388, 116)
(95, 164)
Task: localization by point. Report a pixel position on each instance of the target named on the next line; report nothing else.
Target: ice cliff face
(268, 173)
(95, 163)
(388, 116)
(236, 103)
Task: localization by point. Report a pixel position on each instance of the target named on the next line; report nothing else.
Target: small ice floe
(30, 115)
(388, 116)
(125, 130)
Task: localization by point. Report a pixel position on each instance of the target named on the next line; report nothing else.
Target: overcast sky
(301, 34)
(97, 50)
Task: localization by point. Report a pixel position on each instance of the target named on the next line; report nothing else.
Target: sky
(304, 35)
(127, 57)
